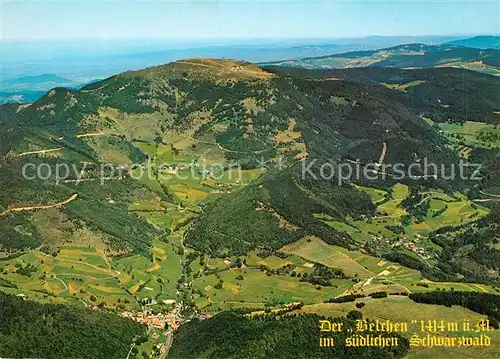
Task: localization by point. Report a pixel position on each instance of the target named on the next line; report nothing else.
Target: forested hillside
(443, 94)
(32, 330)
(229, 335)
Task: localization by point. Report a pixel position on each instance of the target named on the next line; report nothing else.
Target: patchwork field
(473, 133)
(376, 274)
(156, 278)
(256, 289)
(88, 276)
(76, 273)
(444, 210)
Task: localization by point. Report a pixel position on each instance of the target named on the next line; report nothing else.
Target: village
(162, 324)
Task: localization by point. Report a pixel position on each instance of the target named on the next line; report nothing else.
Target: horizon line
(241, 38)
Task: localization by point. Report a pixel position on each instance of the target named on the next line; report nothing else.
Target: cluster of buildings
(173, 169)
(411, 246)
(166, 320)
(159, 320)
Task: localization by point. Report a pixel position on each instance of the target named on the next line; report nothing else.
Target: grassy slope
(403, 309)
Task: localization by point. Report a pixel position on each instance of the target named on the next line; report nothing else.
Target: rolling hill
(479, 42)
(443, 94)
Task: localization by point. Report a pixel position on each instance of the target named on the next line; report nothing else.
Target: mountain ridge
(480, 42)
(406, 56)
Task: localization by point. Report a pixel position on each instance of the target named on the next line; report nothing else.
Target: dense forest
(482, 303)
(443, 94)
(471, 251)
(92, 210)
(229, 335)
(32, 330)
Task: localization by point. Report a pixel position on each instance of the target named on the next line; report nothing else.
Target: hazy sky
(126, 19)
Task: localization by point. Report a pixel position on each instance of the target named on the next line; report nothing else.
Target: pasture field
(358, 235)
(163, 215)
(156, 278)
(474, 66)
(218, 263)
(377, 266)
(68, 276)
(402, 87)
(148, 148)
(147, 178)
(376, 274)
(186, 193)
(167, 266)
(416, 286)
(456, 213)
(398, 193)
(474, 133)
(377, 195)
(108, 152)
(377, 226)
(236, 176)
(252, 259)
(396, 308)
(167, 154)
(444, 210)
(159, 219)
(257, 288)
(439, 195)
(353, 263)
(315, 250)
(146, 205)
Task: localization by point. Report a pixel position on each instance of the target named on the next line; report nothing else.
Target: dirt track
(382, 155)
(41, 151)
(31, 208)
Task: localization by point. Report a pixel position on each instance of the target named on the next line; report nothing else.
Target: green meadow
(255, 289)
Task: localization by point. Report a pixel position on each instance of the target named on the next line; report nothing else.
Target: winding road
(31, 208)
(64, 284)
